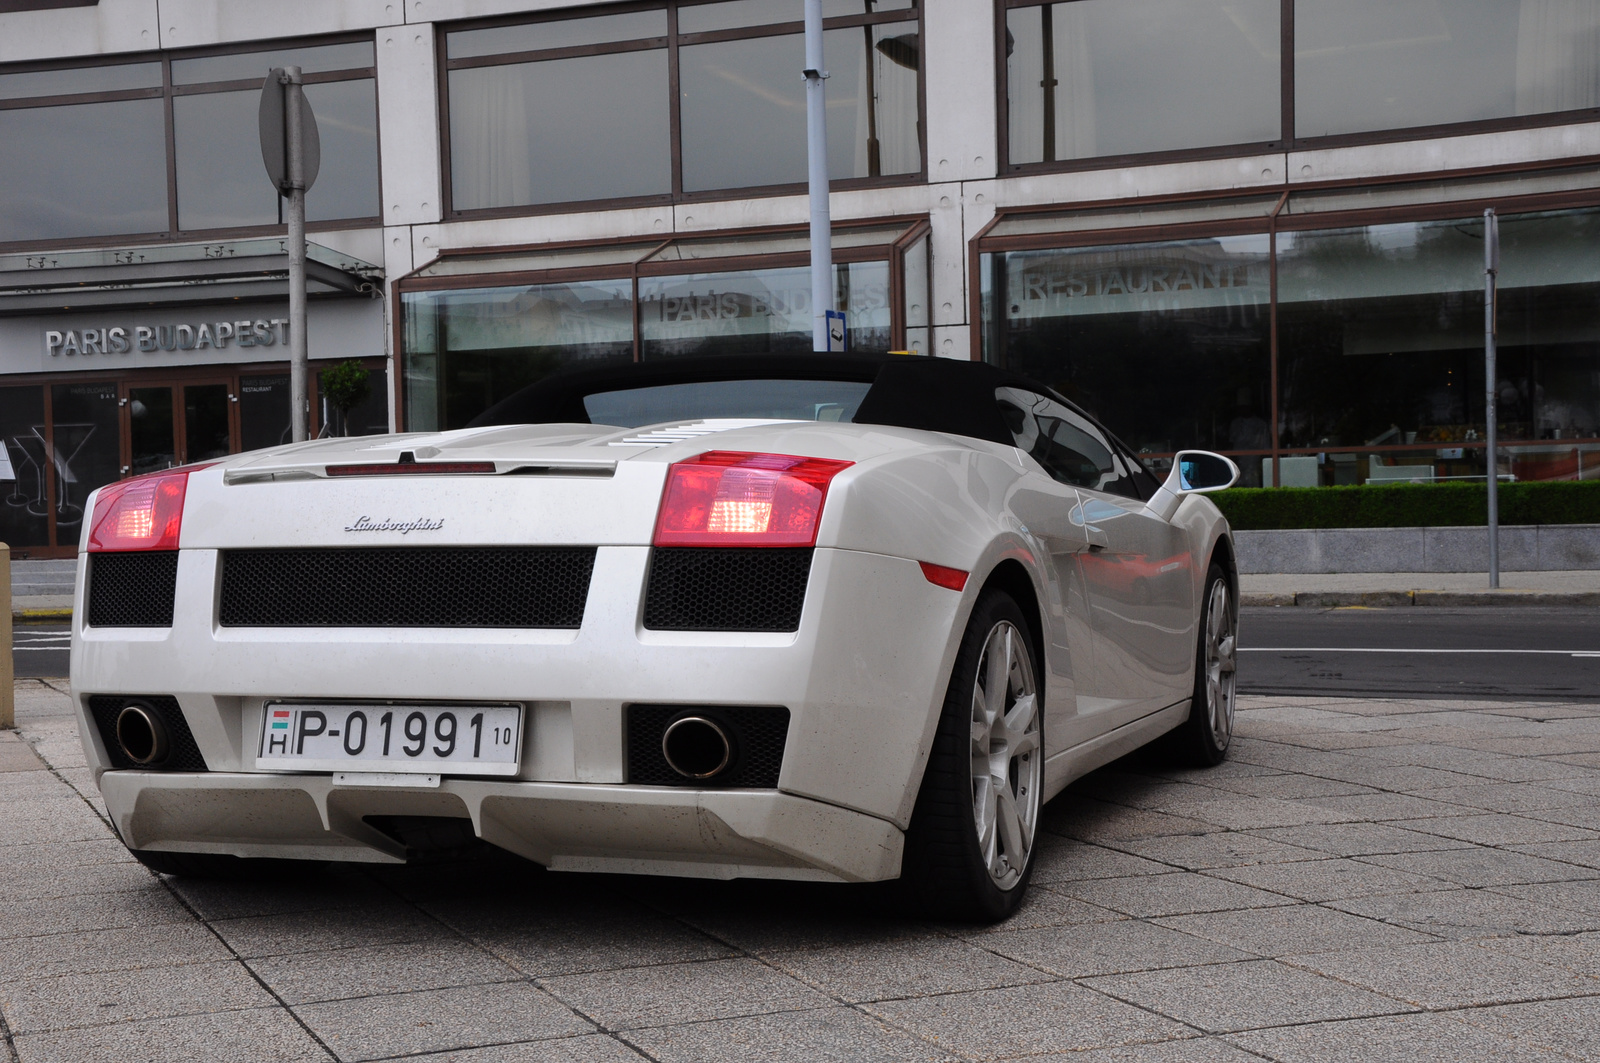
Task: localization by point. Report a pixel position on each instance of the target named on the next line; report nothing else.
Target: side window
(1071, 449)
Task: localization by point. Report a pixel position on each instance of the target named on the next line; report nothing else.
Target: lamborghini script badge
(404, 527)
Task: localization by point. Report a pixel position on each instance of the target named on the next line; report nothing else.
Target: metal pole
(1491, 384)
(298, 402)
(817, 161)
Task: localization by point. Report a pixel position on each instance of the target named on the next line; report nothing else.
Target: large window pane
(1166, 343)
(24, 498)
(97, 169)
(1118, 77)
(744, 110)
(567, 33)
(735, 14)
(1381, 339)
(357, 55)
(764, 311)
(1388, 64)
(221, 183)
(597, 127)
(80, 79)
(467, 350)
(347, 123)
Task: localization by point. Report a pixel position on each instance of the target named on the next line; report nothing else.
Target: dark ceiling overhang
(174, 275)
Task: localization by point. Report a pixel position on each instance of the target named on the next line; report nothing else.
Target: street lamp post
(817, 164)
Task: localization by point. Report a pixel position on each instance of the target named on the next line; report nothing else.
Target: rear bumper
(863, 679)
(565, 826)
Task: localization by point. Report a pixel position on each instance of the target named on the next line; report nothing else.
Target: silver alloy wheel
(1006, 759)
(1220, 659)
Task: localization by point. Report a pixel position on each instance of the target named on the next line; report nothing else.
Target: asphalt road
(1421, 652)
(1411, 652)
(40, 649)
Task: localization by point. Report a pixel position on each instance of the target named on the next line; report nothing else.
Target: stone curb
(1390, 599)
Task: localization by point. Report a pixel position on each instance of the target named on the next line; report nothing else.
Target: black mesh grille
(132, 589)
(407, 587)
(182, 752)
(695, 588)
(758, 734)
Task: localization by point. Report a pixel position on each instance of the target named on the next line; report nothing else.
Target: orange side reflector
(953, 578)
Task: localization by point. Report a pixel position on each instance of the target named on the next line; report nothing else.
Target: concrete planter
(1525, 548)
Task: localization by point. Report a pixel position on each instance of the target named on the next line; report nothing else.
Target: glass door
(176, 424)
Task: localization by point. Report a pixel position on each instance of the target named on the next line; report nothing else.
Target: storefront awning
(173, 274)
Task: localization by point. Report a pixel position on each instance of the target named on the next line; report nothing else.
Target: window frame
(1431, 209)
(645, 265)
(1287, 140)
(167, 92)
(672, 42)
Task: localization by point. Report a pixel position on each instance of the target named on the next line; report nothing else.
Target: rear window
(779, 400)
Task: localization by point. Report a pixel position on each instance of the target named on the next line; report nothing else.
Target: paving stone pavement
(1363, 880)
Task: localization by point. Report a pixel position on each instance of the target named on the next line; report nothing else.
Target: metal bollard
(8, 691)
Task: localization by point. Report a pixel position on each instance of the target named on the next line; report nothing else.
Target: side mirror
(1193, 472)
(1201, 470)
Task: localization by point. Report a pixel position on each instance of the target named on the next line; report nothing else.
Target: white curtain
(893, 100)
(1558, 56)
(1024, 95)
(1075, 125)
(490, 143)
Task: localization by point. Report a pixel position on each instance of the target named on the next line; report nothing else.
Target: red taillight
(939, 575)
(144, 513)
(731, 498)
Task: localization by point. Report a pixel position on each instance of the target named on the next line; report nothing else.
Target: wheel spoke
(1018, 722)
(1011, 830)
(997, 675)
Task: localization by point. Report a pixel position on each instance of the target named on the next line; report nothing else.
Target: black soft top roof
(932, 394)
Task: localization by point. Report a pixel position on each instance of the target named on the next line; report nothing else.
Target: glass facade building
(1254, 226)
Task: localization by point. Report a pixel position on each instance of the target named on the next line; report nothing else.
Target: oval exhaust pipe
(696, 748)
(141, 734)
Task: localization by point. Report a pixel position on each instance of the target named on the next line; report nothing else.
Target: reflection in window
(1381, 340)
(467, 350)
(96, 169)
(1389, 64)
(221, 183)
(100, 167)
(734, 14)
(263, 412)
(254, 66)
(531, 123)
(760, 311)
(1167, 344)
(369, 417)
(87, 446)
(24, 490)
(1114, 77)
(786, 400)
(594, 127)
(744, 111)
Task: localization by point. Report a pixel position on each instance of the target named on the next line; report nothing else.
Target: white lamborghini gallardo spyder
(789, 617)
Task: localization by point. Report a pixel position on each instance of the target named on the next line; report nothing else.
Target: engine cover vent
(133, 589)
(403, 586)
(699, 588)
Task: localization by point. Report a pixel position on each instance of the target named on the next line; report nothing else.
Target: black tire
(1202, 740)
(221, 866)
(945, 870)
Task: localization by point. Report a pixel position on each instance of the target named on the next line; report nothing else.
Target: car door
(1137, 573)
(1045, 501)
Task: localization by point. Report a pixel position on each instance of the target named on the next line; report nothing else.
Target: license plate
(450, 739)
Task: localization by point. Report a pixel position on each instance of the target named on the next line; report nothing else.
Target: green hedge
(1408, 505)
